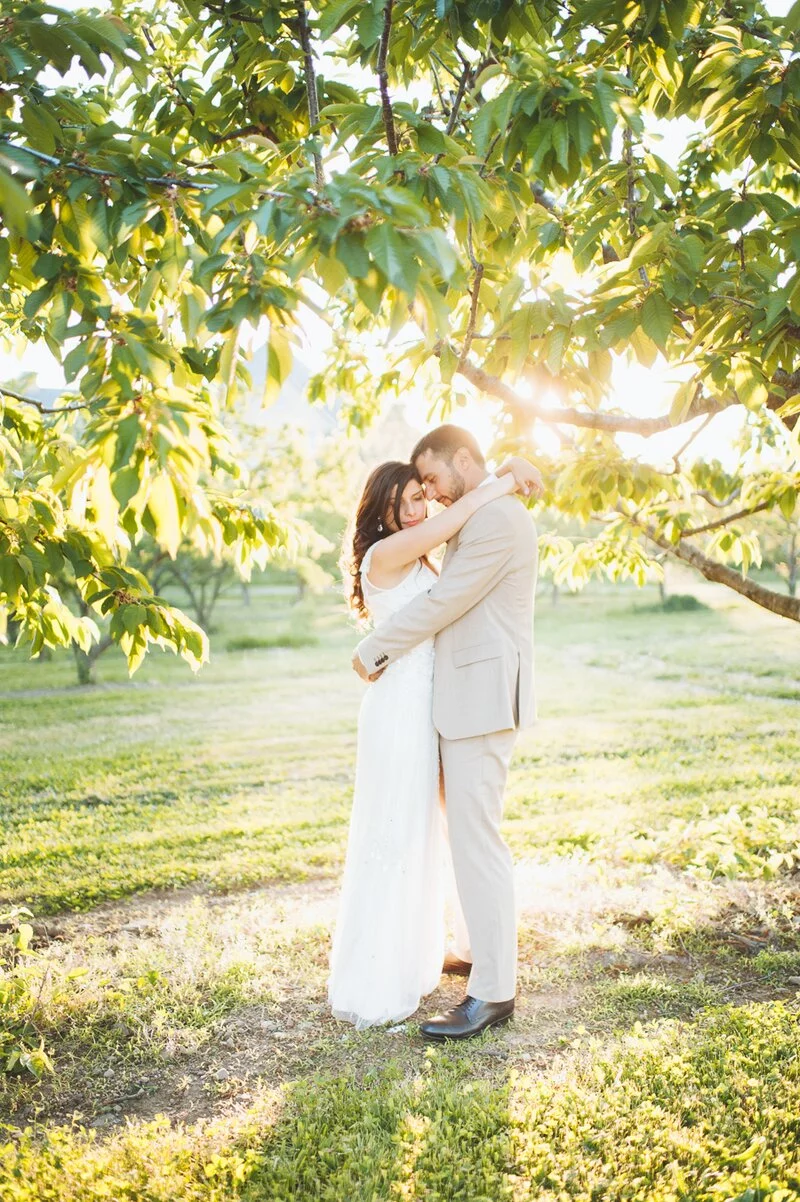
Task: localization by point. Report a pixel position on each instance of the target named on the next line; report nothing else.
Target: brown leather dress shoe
(454, 967)
(468, 1018)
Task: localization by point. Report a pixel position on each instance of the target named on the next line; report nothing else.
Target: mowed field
(179, 841)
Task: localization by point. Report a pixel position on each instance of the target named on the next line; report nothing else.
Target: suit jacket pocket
(471, 655)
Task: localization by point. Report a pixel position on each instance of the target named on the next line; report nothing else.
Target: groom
(481, 612)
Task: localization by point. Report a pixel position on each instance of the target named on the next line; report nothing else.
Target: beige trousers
(475, 772)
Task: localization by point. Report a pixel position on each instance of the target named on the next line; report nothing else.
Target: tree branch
(462, 87)
(246, 131)
(184, 98)
(631, 206)
(620, 423)
(311, 86)
(473, 308)
(707, 496)
(441, 62)
(27, 400)
(676, 458)
(168, 181)
(612, 423)
(720, 573)
(383, 80)
(732, 517)
(223, 12)
(85, 169)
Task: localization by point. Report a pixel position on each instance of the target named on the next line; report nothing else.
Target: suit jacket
(481, 612)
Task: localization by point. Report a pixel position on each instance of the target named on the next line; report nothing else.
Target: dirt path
(581, 924)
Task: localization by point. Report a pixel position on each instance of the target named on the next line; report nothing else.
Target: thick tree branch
(619, 423)
(612, 423)
(311, 86)
(719, 573)
(383, 79)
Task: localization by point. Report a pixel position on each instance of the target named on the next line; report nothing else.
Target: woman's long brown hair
(375, 503)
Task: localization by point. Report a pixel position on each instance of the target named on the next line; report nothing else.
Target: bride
(389, 939)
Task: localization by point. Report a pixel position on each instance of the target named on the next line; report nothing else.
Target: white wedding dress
(389, 939)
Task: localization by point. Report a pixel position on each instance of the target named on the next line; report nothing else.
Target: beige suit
(481, 612)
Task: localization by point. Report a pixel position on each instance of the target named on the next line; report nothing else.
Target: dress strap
(365, 566)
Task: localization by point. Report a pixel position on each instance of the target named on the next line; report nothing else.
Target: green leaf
(788, 503)
(448, 361)
(657, 318)
(555, 344)
(393, 255)
(279, 364)
(163, 506)
(127, 434)
(335, 15)
(370, 25)
(750, 384)
(351, 251)
(15, 204)
(648, 246)
(682, 402)
(560, 138)
(738, 215)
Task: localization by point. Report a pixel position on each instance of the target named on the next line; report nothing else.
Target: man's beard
(457, 484)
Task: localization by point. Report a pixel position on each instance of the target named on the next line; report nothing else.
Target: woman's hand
(528, 478)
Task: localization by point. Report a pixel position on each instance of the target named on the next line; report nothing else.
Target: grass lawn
(179, 839)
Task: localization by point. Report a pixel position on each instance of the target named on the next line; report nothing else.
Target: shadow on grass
(373, 1137)
(699, 1110)
(703, 1110)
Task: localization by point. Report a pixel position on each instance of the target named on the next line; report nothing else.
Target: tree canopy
(413, 173)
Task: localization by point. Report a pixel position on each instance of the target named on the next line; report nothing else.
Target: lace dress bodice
(383, 602)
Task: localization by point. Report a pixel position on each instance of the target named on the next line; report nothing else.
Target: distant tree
(311, 482)
(780, 538)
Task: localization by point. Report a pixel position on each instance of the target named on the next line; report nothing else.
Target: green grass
(244, 773)
(663, 768)
(705, 1111)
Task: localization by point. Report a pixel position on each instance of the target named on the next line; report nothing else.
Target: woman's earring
(380, 527)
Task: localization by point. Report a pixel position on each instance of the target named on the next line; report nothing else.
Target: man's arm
(486, 545)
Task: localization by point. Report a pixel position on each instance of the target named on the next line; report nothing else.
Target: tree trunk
(85, 665)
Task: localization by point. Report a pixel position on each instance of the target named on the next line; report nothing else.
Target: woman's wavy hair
(371, 513)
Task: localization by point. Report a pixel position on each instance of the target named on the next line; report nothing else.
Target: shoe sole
(494, 1022)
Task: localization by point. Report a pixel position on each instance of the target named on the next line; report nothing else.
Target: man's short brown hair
(444, 441)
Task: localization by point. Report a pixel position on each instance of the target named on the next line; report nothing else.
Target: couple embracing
(450, 670)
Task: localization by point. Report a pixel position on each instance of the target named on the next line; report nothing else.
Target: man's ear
(463, 460)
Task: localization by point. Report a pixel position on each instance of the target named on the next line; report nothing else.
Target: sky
(637, 389)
